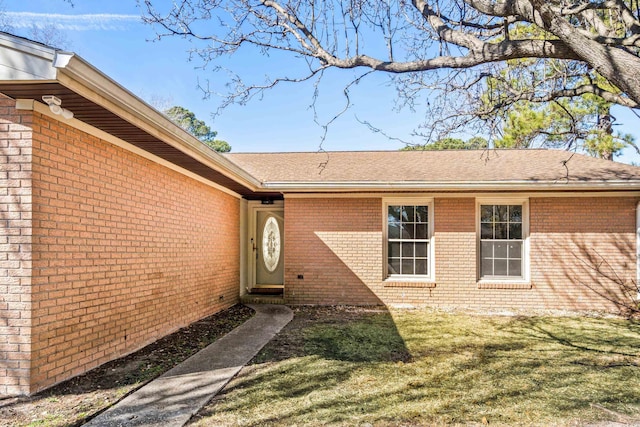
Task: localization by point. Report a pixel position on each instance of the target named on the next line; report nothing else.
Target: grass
(426, 367)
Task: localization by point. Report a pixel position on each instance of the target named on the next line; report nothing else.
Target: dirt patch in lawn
(294, 341)
(73, 402)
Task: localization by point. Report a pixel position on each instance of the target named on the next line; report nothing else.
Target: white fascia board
(24, 60)
(89, 82)
(26, 46)
(27, 61)
(451, 186)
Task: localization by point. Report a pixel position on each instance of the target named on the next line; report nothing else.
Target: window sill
(503, 285)
(391, 283)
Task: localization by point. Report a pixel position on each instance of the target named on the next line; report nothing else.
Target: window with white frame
(408, 236)
(502, 241)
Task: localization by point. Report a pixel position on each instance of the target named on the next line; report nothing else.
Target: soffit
(105, 120)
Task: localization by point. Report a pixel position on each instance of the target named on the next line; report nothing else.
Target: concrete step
(267, 290)
(262, 299)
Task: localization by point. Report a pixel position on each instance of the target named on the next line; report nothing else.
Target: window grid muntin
(506, 221)
(411, 236)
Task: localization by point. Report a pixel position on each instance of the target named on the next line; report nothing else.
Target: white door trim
(253, 208)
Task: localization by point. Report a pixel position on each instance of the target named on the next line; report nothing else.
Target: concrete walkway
(173, 398)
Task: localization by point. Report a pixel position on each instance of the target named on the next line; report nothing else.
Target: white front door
(267, 244)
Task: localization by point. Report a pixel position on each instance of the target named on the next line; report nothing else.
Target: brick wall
(591, 244)
(124, 251)
(104, 251)
(15, 248)
(337, 245)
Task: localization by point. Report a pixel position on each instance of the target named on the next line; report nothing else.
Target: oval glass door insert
(271, 244)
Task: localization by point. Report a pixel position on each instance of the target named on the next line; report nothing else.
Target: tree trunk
(619, 67)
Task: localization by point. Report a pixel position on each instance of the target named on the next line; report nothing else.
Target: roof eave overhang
(85, 80)
(377, 186)
(29, 62)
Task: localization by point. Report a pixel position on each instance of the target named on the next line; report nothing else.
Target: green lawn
(425, 367)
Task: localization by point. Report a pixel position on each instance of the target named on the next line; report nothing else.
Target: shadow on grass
(597, 334)
(588, 337)
(347, 334)
(376, 340)
(426, 367)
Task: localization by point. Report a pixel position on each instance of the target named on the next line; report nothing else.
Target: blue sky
(111, 36)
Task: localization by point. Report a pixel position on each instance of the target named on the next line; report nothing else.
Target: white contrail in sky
(99, 21)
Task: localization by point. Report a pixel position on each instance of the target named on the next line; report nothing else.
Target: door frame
(252, 230)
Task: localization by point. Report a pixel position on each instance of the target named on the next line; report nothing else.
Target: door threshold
(267, 290)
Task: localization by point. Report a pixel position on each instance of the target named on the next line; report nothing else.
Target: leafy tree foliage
(584, 121)
(474, 143)
(219, 145)
(188, 121)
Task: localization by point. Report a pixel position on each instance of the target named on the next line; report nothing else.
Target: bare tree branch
(474, 59)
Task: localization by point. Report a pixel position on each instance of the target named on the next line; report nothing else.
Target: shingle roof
(435, 167)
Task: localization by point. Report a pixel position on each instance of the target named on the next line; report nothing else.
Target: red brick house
(119, 227)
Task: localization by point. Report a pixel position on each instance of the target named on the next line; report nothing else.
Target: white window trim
(408, 201)
(525, 239)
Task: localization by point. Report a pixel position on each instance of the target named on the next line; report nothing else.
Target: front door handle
(254, 248)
